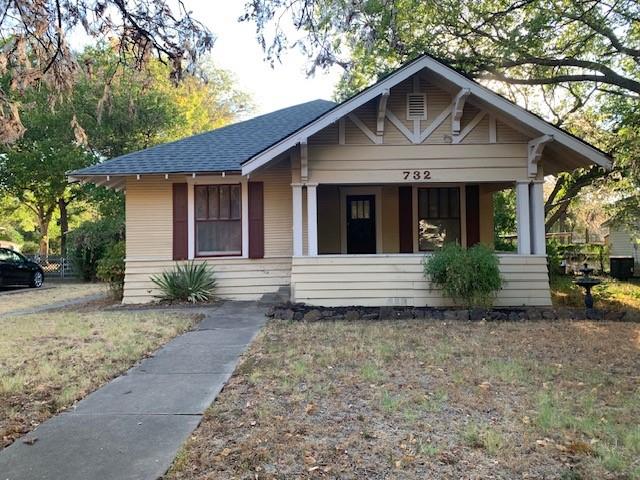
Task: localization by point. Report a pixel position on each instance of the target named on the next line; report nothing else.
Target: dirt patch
(415, 399)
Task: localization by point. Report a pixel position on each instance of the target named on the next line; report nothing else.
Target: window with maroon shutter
(180, 224)
(405, 219)
(218, 220)
(256, 219)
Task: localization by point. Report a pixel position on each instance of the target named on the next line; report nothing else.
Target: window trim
(210, 180)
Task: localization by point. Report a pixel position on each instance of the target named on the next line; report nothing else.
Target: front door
(361, 224)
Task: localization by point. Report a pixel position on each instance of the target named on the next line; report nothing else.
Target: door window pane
(201, 203)
(438, 217)
(214, 200)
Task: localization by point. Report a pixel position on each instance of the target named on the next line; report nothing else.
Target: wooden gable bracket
(304, 161)
(536, 146)
(382, 110)
(458, 109)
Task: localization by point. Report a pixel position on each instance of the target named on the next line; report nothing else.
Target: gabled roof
(482, 93)
(220, 150)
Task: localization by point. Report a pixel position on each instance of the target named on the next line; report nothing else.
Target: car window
(9, 256)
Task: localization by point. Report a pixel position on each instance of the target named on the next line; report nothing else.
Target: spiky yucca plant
(189, 282)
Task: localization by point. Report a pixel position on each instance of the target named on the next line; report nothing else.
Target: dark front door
(361, 224)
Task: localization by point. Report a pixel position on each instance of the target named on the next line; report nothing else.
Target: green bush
(189, 282)
(471, 277)
(554, 257)
(110, 268)
(89, 243)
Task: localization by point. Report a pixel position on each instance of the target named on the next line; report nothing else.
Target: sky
(237, 50)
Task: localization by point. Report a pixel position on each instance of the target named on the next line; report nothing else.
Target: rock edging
(310, 313)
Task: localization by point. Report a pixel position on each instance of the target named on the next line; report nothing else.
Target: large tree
(34, 35)
(564, 59)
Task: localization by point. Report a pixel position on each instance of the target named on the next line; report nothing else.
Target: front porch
(358, 244)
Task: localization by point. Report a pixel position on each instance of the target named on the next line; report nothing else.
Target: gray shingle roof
(220, 150)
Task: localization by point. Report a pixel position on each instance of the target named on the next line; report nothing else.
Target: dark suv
(17, 270)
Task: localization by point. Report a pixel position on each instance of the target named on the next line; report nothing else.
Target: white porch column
(312, 219)
(536, 205)
(522, 218)
(297, 218)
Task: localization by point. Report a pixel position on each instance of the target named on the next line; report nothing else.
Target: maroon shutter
(472, 194)
(180, 224)
(256, 219)
(405, 219)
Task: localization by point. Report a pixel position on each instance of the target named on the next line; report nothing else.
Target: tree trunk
(64, 226)
(44, 238)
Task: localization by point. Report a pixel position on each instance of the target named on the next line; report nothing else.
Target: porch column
(296, 208)
(536, 205)
(522, 218)
(312, 219)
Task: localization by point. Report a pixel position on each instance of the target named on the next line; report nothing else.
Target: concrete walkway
(133, 427)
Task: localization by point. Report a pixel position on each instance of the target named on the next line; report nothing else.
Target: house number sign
(416, 175)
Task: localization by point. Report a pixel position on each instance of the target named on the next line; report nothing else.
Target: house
(340, 202)
(623, 243)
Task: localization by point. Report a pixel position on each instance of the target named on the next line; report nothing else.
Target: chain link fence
(54, 266)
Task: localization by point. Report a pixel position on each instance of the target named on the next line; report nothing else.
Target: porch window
(438, 217)
(218, 220)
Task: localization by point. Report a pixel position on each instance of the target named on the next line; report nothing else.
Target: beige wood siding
(149, 218)
(486, 215)
(237, 279)
(506, 134)
(278, 222)
(447, 163)
(377, 280)
(621, 244)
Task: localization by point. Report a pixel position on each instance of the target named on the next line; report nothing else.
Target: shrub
(470, 276)
(110, 268)
(189, 282)
(89, 243)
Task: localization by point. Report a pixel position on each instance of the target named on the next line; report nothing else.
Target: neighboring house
(340, 202)
(623, 243)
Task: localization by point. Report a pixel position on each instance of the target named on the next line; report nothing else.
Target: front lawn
(414, 400)
(49, 360)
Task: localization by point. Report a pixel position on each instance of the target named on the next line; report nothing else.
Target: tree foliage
(575, 63)
(35, 36)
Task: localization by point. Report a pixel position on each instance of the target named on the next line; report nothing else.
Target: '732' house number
(416, 175)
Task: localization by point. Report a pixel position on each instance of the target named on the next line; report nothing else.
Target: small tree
(470, 276)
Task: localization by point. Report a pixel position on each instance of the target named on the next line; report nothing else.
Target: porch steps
(283, 295)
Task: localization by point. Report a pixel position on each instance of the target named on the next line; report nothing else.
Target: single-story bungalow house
(338, 203)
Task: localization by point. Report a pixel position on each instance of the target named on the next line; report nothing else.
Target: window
(438, 217)
(218, 220)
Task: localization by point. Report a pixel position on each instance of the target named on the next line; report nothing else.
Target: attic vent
(416, 106)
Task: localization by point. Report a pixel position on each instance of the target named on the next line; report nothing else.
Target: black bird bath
(587, 282)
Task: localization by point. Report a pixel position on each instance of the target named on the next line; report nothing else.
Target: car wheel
(37, 280)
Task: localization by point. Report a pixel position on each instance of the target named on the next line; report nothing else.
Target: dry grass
(53, 293)
(50, 360)
(414, 400)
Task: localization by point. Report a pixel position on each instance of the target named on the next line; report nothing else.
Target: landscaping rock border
(310, 313)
